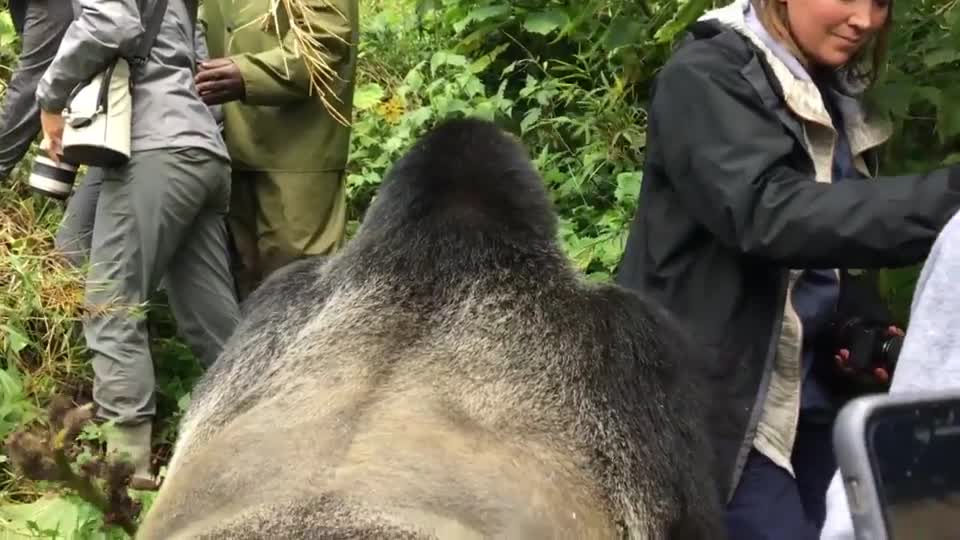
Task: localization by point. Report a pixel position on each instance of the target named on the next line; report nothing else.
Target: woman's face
(831, 32)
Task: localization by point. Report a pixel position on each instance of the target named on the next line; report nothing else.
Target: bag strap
(154, 22)
(193, 10)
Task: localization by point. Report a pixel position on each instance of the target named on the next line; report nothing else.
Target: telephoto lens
(52, 179)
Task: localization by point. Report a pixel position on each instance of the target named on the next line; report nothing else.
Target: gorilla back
(446, 375)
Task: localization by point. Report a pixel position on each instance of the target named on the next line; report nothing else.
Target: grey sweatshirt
(930, 358)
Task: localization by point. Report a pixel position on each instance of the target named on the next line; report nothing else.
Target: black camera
(870, 344)
(872, 354)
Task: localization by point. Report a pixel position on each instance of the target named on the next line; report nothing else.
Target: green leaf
(482, 14)
(544, 22)
(688, 13)
(71, 518)
(941, 56)
(184, 402)
(367, 96)
(623, 31)
(628, 186)
(441, 58)
(14, 340)
(895, 96)
(529, 119)
(948, 116)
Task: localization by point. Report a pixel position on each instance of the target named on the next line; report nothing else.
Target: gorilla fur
(448, 374)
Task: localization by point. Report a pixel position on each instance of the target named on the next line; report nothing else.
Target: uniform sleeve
(280, 75)
(729, 159)
(102, 31)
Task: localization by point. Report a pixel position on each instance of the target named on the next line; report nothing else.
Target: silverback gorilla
(448, 374)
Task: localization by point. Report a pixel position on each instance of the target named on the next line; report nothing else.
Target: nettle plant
(568, 77)
(572, 77)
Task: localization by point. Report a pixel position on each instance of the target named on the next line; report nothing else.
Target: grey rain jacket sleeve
(42, 27)
(102, 31)
(728, 157)
(203, 53)
(18, 14)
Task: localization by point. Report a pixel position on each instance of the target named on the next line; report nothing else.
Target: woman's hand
(842, 357)
(52, 143)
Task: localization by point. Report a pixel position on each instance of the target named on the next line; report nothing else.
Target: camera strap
(152, 30)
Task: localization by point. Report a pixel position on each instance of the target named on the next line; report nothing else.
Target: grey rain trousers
(161, 216)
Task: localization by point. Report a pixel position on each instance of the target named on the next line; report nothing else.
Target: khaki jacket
(280, 125)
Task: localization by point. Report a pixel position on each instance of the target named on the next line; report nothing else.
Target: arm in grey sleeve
(102, 31)
(930, 357)
(43, 29)
(200, 44)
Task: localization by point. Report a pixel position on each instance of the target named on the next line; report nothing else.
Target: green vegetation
(571, 77)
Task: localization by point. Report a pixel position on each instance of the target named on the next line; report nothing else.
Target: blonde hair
(865, 66)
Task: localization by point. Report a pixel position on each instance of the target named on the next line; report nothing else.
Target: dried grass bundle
(299, 13)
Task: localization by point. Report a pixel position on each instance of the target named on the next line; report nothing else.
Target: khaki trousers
(277, 217)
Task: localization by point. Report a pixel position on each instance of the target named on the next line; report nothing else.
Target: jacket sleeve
(203, 53)
(280, 75)
(19, 114)
(728, 158)
(103, 30)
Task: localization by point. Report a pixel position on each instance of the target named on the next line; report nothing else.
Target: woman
(755, 193)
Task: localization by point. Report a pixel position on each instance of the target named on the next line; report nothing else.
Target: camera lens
(52, 179)
(890, 350)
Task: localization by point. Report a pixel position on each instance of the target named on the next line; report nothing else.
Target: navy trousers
(769, 504)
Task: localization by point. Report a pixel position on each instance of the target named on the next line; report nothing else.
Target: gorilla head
(446, 375)
(436, 187)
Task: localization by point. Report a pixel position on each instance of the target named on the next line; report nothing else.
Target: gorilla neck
(465, 250)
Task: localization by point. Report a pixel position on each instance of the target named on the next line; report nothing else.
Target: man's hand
(52, 124)
(219, 81)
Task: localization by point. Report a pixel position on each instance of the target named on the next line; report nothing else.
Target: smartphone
(899, 457)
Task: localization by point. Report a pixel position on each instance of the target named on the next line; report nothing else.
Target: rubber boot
(134, 441)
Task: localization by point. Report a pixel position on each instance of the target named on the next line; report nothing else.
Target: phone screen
(915, 456)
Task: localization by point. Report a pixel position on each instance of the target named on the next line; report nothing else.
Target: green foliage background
(570, 76)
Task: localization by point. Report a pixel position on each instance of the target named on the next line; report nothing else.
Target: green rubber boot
(134, 441)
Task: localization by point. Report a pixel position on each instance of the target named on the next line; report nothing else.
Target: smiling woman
(830, 33)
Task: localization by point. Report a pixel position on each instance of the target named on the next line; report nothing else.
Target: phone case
(850, 448)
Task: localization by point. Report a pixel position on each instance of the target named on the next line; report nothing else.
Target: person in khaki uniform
(289, 152)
